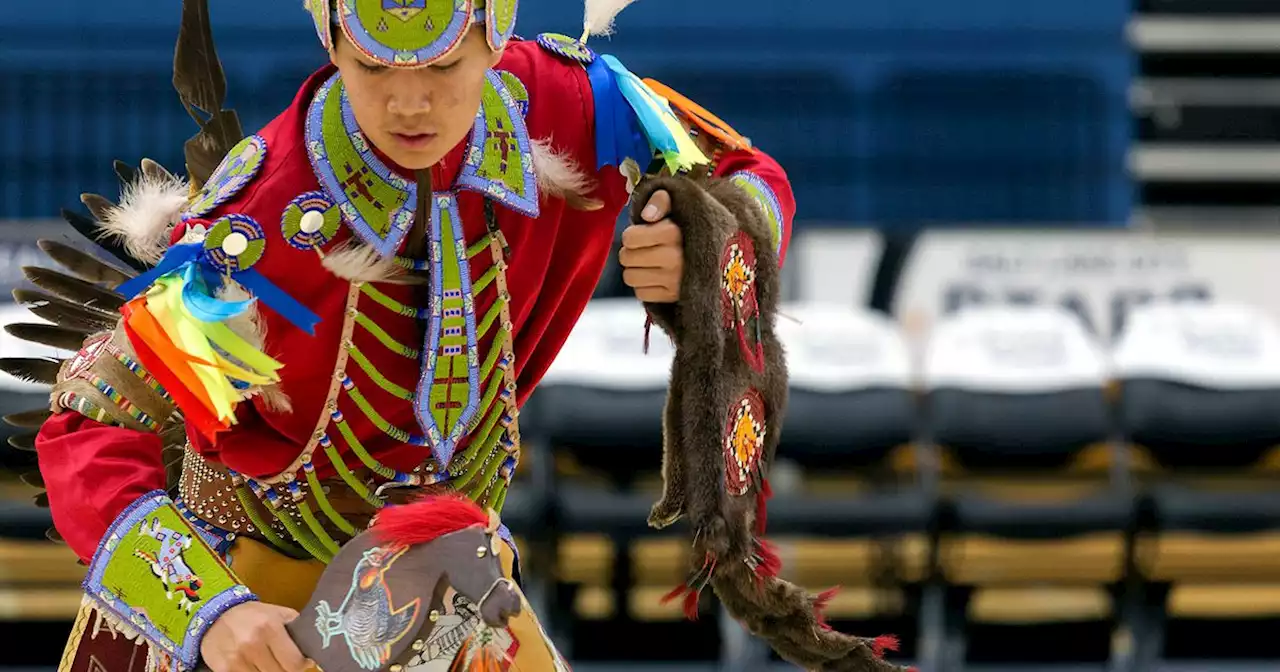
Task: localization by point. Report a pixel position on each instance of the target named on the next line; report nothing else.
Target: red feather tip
(820, 605)
(427, 519)
(884, 643)
(770, 562)
(763, 494)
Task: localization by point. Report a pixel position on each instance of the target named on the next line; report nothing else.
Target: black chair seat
(1042, 520)
(859, 515)
(846, 430)
(586, 508)
(1183, 508)
(593, 509)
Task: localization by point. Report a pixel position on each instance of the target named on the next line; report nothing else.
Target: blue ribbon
(201, 303)
(645, 107)
(288, 307)
(175, 258)
(618, 132)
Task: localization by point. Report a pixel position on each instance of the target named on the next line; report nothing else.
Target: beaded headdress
(411, 33)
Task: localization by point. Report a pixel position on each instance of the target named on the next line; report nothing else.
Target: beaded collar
(377, 203)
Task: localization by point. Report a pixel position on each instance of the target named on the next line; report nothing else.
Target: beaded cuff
(105, 383)
(154, 573)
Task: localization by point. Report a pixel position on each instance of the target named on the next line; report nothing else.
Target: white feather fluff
(558, 174)
(600, 15)
(149, 209)
(249, 326)
(360, 264)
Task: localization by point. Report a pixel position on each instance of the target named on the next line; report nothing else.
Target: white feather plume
(600, 15)
(248, 325)
(558, 174)
(360, 264)
(149, 209)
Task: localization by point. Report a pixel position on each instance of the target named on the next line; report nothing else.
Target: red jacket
(93, 471)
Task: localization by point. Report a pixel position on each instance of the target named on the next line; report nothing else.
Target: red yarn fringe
(762, 510)
(770, 563)
(884, 643)
(820, 606)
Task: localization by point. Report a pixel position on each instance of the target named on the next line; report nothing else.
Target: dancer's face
(415, 116)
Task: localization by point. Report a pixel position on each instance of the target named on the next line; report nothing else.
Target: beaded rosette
(411, 33)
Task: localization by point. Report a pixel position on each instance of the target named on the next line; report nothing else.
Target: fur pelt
(149, 208)
(723, 355)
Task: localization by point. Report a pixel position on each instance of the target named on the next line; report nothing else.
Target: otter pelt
(709, 213)
(708, 374)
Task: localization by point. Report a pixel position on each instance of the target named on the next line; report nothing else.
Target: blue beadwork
(563, 45)
(238, 168)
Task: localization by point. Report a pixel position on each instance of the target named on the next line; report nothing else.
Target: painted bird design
(367, 619)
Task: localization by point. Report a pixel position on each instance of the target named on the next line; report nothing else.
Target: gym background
(1032, 320)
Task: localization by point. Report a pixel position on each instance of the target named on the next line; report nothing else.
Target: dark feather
(33, 479)
(214, 141)
(48, 334)
(41, 500)
(98, 206)
(65, 313)
(32, 418)
(83, 264)
(156, 172)
(25, 442)
(110, 244)
(73, 289)
(32, 369)
(52, 534)
(197, 73)
(127, 173)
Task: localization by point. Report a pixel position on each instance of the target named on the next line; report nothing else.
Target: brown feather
(83, 264)
(25, 442)
(125, 172)
(29, 419)
(33, 479)
(98, 206)
(73, 289)
(52, 534)
(32, 369)
(156, 172)
(197, 73)
(48, 334)
(91, 230)
(207, 148)
(41, 500)
(65, 313)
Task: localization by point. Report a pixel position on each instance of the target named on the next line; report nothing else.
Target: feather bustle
(48, 334)
(73, 289)
(29, 419)
(149, 208)
(82, 264)
(65, 313)
(32, 369)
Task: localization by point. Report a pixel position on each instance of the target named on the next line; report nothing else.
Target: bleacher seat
(1018, 412)
(1201, 389)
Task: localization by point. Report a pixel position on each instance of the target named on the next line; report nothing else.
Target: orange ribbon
(704, 119)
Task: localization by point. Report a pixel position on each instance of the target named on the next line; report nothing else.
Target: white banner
(1098, 275)
(832, 266)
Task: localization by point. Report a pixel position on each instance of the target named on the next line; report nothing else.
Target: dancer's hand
(652, 255)
(250, 637)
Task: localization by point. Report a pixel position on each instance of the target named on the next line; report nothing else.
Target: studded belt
(209, 494)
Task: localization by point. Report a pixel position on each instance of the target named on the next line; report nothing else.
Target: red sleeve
(92, 473)
(774, 177)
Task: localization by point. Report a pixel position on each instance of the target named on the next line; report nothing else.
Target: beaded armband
(105, 383)
(763, 194)
(154, 575)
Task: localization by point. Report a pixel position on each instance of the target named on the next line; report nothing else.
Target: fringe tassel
(884, 643)
(648, 328)
(820, 606)
(763, 494)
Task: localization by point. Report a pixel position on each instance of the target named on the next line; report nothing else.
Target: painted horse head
(384, 591)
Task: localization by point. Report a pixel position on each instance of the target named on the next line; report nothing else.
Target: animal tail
(791, 621)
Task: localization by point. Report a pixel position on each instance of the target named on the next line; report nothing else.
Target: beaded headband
(412, 33)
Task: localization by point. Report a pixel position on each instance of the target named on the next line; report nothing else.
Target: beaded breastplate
(465, 399)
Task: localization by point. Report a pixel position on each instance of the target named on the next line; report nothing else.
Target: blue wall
(901, 113)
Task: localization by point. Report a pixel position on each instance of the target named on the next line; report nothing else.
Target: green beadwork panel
(372, 198)
(406, 27)
(503, 14)
(502, 161)
(160, 567)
